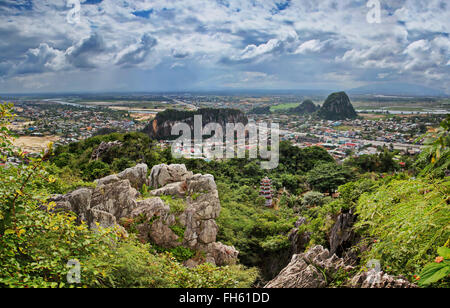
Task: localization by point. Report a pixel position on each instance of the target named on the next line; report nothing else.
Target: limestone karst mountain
(307, 106)
(161, 126)
(180, 211)
(337, 106)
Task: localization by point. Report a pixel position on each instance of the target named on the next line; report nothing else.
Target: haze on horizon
(199, 45)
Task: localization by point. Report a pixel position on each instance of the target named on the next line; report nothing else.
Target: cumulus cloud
(41, 59)
(294, 40)
(310, 46)
(136, 53)
(81, 55)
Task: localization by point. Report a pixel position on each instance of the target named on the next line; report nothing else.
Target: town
(39, 121)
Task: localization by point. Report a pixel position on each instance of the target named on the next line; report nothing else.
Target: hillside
(307, 106)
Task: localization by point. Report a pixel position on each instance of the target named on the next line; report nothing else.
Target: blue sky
(143, 45)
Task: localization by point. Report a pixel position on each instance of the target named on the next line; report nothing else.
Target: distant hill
(307, 106)
(337, 106)
(396, 89)
(161, 126)
(260, 110)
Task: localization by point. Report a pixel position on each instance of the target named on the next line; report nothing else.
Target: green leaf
(433, 272)
(444, 252)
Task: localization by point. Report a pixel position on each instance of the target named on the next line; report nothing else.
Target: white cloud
(310, 46)
(240, 36)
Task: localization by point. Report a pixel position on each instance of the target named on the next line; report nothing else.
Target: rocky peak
(337, 106)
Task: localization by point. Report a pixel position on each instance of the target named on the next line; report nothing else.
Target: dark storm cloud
(138, 53)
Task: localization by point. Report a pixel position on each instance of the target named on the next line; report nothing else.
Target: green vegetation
(252, 228)
(177, 205)
(283, 107)
(382, 162)
(405, 221)
(402, 218)
(434, 161)
(75, 158)
(328, 177)
(437, 270)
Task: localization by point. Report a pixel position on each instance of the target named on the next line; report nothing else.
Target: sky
(166, 45)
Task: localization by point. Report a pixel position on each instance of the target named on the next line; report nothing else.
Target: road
(190, 106)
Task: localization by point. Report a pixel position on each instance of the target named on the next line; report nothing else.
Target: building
(266, 191)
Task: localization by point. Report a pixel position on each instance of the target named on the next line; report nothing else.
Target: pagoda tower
(266, 191)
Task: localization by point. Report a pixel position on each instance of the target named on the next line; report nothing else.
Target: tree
(313, 198)
(328, 177)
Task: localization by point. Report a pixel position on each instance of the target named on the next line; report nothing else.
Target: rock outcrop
(337, 106)
(316, 267)
(298, 239)
(186, 217)
(303, 270)
(163, 174)
(103, 148)
(374, 279)
(341, 234)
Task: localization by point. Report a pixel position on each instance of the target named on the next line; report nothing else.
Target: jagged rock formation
(136, 175)
(303, 270)
(161, 126)
(298, 239)
(313, 269)
(341, 234)
(162, 175)
(103, 148)
(374, 279)
(188, 220)
(307, 106)
(337, 107)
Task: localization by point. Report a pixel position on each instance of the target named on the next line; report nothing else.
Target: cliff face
(337, 107)
(161, 126)
(307, 106)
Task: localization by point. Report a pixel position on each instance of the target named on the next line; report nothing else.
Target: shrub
(312, 198)
(133, 265)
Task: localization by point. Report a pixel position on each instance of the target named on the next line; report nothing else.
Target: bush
(251, 227)
(312, 198)
(134, 266)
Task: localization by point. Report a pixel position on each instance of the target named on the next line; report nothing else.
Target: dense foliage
(134, 148)
(405, 221)
(434, 161)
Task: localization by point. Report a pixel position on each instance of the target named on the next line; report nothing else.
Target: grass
(284, 106)
(344, 128)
